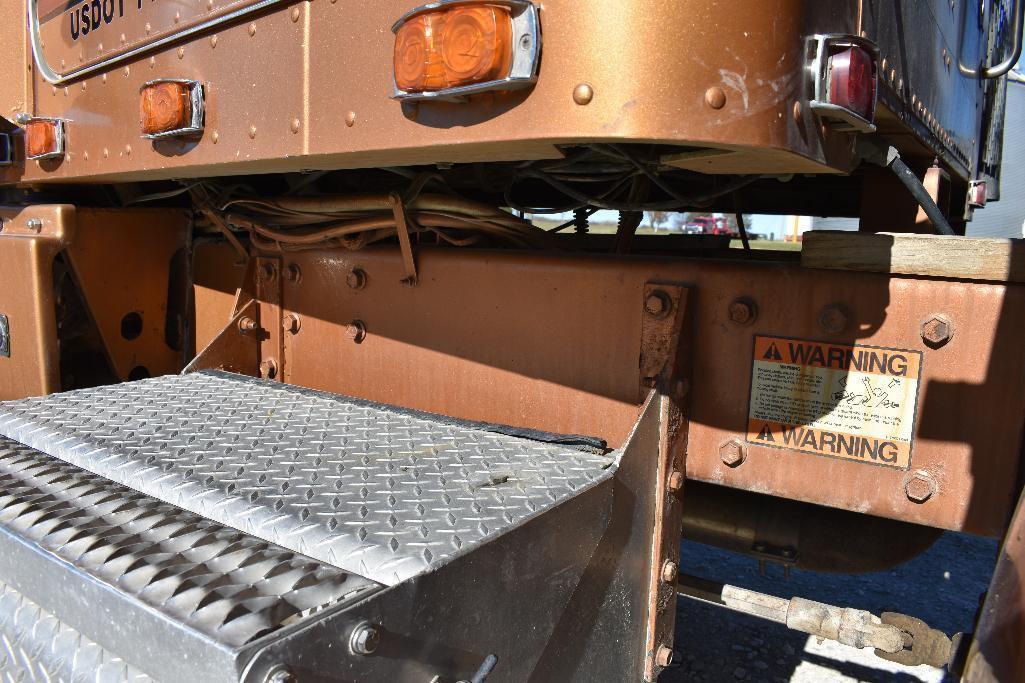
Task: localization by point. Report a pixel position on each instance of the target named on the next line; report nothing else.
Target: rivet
(213, 41)
(583, 94)
(85, 156)
(797, 111)
(215, 136)
(152, 62)
(181, 53)
(350, 119)
(356, 331)
(252, 30)
(356, 278)
(103, 78)
(295, 125)
(128, 70)
(295, 14)
(177, 17)
(743, 311)
(148, 28)
(268, 272)
(128, 150)
(106, 152)
(252, 132)
(715, 97)
(293, 273)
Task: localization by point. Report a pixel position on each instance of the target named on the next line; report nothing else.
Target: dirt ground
(942, 586)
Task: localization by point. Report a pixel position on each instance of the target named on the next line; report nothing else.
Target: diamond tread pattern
(376, 490)
(219, 581)
(36, 646)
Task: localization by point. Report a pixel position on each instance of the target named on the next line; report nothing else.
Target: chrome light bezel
(197, 105)
(841, 118)
(58, 136)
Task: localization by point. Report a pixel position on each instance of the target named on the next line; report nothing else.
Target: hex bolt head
(356, 278)
(833, 319)
(356, 331)
(919, 486)
(364, 639)
(675, 482)
(937, 330)
(664, 656)
(743, 311)
(658, 304)
(732, 453)
(669, 571)
(279, 674)
(269, 369)
(293, 273)
(292, 323)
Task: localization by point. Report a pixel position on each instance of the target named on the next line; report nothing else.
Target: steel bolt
(937, 330)
(293, 273)
(658, 304)
(279, 674)
(365, 639)
(34, 224)
(269, 369)
(833, 319)
(681, 388)
(675, 482)
(919, 486)
(356, 331)
(246, 325)
(292, 323)
(669, 571)
(356, 278)
(268, 272)
(743, 311)
(664, 656)
(732, 453)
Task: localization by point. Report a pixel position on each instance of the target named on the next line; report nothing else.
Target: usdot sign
(851, 402)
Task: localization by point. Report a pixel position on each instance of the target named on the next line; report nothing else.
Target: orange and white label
(852, 402)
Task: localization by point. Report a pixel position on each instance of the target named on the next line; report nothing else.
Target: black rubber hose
(921, 195)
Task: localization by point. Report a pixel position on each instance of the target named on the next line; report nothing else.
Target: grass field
(610, 229)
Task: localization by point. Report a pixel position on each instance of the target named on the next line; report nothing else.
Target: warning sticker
(851, 402)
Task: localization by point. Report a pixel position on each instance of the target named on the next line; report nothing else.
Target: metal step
(376, 490)
(163, 587)
(185, 527)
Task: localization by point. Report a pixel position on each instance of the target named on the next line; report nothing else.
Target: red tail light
(852, 82)
(845, 81)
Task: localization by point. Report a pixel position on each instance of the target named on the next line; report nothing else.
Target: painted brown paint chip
(164, 107)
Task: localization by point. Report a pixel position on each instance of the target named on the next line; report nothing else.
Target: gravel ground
(941, 586)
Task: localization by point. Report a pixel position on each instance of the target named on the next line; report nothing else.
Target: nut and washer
(937, 330)
(658, 304)
(364, 639)
(675, 482)
(732, 453)
(669, 571)
(292, 323)
(833, 319)
(664, 656)
(246, 324)
(743, 311)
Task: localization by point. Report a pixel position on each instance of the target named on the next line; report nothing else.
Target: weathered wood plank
(966, 258)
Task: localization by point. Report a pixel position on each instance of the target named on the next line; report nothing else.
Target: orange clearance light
(451, 49)
(171, 108)
(44, 138)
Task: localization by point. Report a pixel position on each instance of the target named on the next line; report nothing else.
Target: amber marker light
(171, 108)
(452, 49)
(44, 138)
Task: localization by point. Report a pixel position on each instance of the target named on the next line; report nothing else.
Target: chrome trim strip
(55, 78)
(526, 37)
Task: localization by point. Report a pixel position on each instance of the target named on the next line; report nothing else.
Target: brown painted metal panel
(27, 297)
(554, 343)
(122, 260)
(308, 86)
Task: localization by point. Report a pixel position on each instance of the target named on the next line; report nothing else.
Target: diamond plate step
(376, 490)
(36, 646)
(178, 596)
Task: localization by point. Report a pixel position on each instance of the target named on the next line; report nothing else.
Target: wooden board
(964, 258)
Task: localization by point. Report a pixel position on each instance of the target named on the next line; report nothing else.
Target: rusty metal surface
(553, 343)
(278, 101)
(236, 348)
(996, 654)
(122, 261)
(27, 297)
